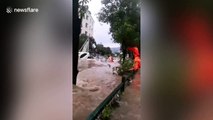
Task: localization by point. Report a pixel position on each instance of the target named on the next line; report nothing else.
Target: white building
(87, 24)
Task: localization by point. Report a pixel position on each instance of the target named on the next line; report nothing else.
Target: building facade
(87, 24)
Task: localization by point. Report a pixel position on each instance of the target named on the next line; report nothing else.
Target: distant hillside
(115, 49)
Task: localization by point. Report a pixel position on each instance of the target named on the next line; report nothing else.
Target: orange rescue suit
(137, 61)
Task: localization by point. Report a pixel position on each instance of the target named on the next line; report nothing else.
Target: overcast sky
(101, 30)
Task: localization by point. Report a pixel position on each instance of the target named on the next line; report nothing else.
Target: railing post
(123, 83)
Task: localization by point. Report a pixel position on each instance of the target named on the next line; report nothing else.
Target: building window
(87, 17)
(86, 25)
(86, 32)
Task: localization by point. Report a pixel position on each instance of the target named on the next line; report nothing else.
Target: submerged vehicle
(84, 54)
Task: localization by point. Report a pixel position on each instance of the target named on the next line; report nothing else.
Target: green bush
(107, 113)
(125, 66)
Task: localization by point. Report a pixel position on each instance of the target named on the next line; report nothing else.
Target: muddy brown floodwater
(95, 82)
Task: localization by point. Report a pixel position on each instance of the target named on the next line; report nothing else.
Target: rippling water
(95, 81)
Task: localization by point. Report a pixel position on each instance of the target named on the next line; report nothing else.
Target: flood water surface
(95, 82)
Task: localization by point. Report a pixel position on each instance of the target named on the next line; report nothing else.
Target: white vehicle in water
(84, 55)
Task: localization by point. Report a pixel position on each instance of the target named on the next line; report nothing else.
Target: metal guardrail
(102, 105)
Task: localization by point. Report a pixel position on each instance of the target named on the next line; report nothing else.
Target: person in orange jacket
(137, 60)
(110, 58)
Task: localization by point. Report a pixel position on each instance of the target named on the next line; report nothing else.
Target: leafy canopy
(124, 19)
(83, 7)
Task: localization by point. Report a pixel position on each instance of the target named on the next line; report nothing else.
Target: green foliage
(125, 66)
(83, 38)
(92, 42)
(107, 113)
(103, 50)
(124, 19)
(83, 7)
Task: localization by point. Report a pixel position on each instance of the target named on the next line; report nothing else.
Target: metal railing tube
(100, 108)
(106, 101)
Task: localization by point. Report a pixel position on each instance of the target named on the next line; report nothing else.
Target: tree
(108, 50)
(103, 50)
(79, 9)
(124, 19)
(82, 39)
(92, 42)
(92, 49)
(83, 8)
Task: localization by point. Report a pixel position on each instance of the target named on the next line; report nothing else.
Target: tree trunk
(76, 32)
(123, 50)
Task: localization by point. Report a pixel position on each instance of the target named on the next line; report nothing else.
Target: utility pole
(76, 31)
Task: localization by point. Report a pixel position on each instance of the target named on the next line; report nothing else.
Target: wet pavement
(130, 104)
(95, 82)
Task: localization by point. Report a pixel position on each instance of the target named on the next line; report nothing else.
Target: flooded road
(95, 82)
